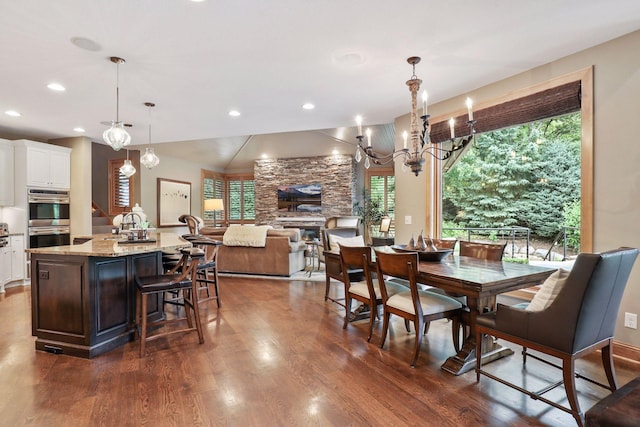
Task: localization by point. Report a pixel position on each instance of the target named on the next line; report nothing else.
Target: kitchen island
(83, 296)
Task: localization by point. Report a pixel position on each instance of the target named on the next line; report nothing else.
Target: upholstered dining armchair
(490, 251)
(579, 320)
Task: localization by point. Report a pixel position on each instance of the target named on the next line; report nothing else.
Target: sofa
(282, 255)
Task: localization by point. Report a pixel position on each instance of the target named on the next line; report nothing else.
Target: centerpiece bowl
(437, 255)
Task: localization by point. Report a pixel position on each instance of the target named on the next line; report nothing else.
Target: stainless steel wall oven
(49, 219)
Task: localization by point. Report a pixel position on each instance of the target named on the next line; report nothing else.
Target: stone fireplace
(336, 174)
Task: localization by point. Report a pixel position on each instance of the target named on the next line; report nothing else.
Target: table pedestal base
(465, 360)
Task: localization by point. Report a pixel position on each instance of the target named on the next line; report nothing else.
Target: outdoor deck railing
(509, 234)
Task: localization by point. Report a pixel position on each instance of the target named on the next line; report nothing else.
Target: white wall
(175, 169)
(616, 150)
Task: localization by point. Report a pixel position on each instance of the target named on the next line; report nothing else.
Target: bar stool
(207, 268)
(183, 279)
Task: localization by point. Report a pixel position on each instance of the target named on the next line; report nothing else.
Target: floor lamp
(214, 205)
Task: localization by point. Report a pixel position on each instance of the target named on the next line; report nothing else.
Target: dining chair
(366, 291)
(414, 305)
(578, 321)
(181, 279)
(445, 243)
(488, 251)
(333, 268)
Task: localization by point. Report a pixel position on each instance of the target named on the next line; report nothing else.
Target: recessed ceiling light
(308, 106)
(85, 43)
(12, 113)
(56, 86)
(335, 152)
(234, 113)
(264, 156)
(79, 129)
(197, 1)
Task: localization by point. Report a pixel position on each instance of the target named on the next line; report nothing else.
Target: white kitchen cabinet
(18, 259)
(47, 166)
(6, 173)
(5, 267)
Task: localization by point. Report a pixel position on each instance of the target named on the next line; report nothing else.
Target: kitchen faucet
(133, 222)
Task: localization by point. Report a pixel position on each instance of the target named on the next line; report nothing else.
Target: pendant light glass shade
(149, 159)
(116, 136)
(127, 169)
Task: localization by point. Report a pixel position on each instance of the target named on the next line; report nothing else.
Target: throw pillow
(334, 241)
(549, 290)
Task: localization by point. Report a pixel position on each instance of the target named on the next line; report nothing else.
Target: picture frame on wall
(174, 199)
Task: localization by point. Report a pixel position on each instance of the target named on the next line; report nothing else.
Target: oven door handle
(39, 231)
(57, 201)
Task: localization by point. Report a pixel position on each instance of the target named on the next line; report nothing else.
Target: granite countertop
(107, 245)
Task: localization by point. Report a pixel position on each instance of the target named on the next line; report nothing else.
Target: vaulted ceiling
(265, 59)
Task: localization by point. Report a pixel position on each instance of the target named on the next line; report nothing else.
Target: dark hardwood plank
(275, 354)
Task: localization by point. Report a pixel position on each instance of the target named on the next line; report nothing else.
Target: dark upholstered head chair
(580, 320)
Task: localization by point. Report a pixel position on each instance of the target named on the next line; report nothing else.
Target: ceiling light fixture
(421, 144)
(127, 169)
(12, 113)
(116, 136)
(149, 159)
(234, 113)
(308, 106)
(79, 129)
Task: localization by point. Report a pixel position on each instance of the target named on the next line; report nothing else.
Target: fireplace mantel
(301, 219)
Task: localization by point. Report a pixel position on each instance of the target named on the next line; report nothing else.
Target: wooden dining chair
(488, 251)
(415, 305)
(366, 291)
(579, 320)
(444, 243)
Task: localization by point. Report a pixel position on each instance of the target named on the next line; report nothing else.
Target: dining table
(480, 281)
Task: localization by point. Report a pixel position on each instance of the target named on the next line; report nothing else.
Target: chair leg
(215, 287)
(478, 355)
(568, 374)
(416, 352)
(373, 307)
(143, 324)
(347, 310)
(607, 363)
(406, 325)
(326, 288)
(196, 313)
(385, 327)
(426, 327)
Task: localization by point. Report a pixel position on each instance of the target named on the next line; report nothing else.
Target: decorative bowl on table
(437, 255)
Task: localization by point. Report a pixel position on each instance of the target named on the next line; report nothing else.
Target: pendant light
(116, 136)
(127, 169)
(149, 159)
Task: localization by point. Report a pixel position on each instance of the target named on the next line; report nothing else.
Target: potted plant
(371, 211)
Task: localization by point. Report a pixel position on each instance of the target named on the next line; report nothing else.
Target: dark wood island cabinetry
(83, 296)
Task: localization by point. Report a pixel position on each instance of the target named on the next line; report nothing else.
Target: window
(382, 186)
(241, 200)
(212, 188)
(120, 188)
(238, 193)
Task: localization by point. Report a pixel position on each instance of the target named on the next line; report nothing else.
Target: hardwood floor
(275, 354)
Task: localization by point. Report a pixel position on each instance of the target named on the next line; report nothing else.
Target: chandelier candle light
(149, 158)
(413, 158)
(116, 136)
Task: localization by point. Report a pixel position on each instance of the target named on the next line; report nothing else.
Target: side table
(311, 255)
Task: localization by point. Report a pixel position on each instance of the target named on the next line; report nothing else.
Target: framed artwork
(174, 199)
(385, 224)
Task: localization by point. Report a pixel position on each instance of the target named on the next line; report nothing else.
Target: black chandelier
(421, 144)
